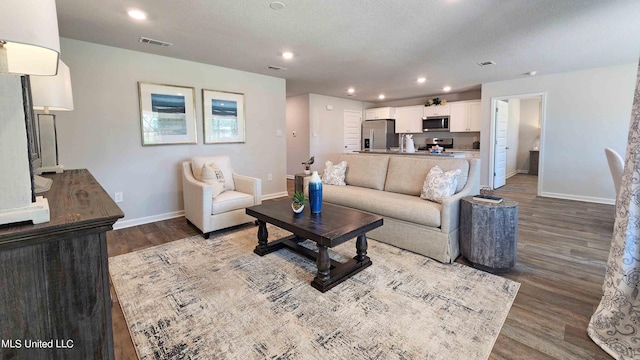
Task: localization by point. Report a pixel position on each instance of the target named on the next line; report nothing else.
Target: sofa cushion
(231, 200)
(334, 174)
(406, 174)
(223, 162)
(367, 171)
(439, 184)
(387, 204)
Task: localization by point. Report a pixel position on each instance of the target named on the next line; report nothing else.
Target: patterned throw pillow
(334, 174)
(439, 184)
(212, 175)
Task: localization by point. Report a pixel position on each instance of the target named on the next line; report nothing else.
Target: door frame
(492, 133)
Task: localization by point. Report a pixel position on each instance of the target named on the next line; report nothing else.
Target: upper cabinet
(409, 119)
(436, 110)
(465, 116)
(380, 113)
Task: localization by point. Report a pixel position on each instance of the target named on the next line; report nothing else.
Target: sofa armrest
(198, 199)
(249, 185)
(450, 213)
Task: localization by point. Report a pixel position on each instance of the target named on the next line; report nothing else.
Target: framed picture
(167, 114)
(223, 116)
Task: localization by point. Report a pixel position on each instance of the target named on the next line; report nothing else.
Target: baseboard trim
(511, 174)
(523, 171)
(122, 224)
(579, 198)
(275, 195)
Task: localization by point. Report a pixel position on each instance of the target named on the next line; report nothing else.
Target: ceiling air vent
(273, 67)
(485, 63)
(146, 40)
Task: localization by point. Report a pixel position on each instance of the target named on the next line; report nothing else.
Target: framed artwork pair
(168, 115)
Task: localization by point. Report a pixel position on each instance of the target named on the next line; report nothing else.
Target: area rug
(215, 299)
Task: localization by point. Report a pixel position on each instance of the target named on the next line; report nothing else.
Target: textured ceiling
(375, 46)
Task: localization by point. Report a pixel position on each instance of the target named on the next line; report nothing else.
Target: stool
(489, 234)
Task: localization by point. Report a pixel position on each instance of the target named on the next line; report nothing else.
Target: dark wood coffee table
(332, 227)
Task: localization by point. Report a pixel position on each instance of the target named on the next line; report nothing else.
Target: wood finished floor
(563, 246)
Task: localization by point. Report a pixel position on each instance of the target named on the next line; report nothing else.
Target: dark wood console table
(54, 277)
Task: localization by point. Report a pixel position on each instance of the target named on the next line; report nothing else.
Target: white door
(352, 129)
(500, 163)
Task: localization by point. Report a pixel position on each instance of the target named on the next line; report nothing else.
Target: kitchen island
(417, 153)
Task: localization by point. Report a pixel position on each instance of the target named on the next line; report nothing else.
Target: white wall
(103, 132)
(513, 128)
(327, 127)
(298, 122)
(586, 111)
(529, 130)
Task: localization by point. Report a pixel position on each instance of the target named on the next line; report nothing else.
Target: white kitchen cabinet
(436, 110)
(475, 116)
(380, 113)
(465, 116)
(409, 119)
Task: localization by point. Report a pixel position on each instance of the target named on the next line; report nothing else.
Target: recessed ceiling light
(381, 96)
(351, 90)
(532, 73)
(287, 55)
(421, 80)
(137, 14)
(276, 5)
(446, 88)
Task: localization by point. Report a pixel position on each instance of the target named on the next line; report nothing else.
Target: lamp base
(38, 212)
(58, 169)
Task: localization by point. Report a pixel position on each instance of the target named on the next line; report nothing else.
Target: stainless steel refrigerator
(379, 135)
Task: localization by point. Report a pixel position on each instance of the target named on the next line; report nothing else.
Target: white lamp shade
(53, 92)
(30, 30)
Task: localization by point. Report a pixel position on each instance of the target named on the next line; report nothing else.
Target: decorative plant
(298, 200)
(435, 102)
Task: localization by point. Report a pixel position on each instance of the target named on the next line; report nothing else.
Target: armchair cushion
(213, 176)
(222, 162)
(231, 200)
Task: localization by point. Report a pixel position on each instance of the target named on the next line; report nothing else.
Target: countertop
(417, 153)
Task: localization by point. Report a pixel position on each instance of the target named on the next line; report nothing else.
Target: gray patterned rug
(215, 299)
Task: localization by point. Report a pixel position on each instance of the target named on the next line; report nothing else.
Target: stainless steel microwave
(435, 123)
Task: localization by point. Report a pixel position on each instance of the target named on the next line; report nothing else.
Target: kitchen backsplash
(460, 140)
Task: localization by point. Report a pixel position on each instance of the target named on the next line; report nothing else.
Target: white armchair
(225, 210)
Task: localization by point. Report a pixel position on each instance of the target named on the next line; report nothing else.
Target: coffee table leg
(361, 248)
(323, 263)
(263, 234)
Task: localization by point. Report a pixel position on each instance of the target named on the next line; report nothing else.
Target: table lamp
(50, 93)
(30, 45)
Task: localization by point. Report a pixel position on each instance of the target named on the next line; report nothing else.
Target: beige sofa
(390, 186)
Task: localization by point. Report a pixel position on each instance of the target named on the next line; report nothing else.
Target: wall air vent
(486, 63)
(273, 67)
(146, 40)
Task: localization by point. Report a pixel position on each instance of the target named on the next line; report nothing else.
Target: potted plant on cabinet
(298, 202)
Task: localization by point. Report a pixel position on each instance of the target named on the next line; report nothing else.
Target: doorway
(352, 130)
(516, 138)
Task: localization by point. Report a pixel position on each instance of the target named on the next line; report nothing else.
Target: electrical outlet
(118, 197)
(269, 177)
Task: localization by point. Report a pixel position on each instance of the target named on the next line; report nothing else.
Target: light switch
(278, 133)
(329, 107)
